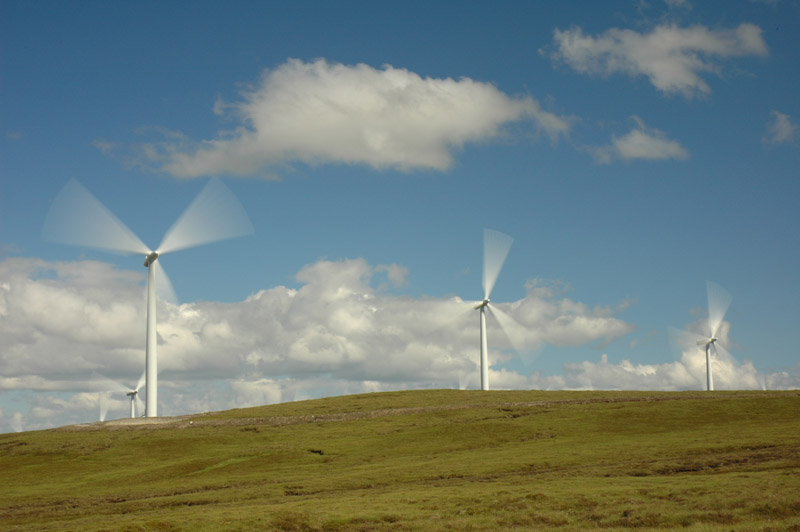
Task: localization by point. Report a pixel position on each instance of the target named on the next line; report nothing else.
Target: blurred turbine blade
(102, 383)
(496, 246)
(722, 354)
(719, 300)
(164, 289)
(139, 405)
(511, 327)
(103, 399)
(141, 381)
(215, 214)
(76, 217)
(686, 341)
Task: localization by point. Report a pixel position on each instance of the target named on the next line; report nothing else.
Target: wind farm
(469, 228)
(370, 159)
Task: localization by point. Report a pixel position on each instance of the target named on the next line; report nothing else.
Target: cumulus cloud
(341, 331)
(319, 112)
(641, 142)
(688, 372)
(673, 59)
(780, 129)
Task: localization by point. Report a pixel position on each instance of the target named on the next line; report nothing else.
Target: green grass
(423, 460)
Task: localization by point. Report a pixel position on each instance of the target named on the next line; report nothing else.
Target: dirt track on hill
(210, 419)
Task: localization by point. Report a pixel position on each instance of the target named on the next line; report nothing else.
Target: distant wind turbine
(718, 302)
(78, 218)
(110, 386)
(133, 393)
(496, 246)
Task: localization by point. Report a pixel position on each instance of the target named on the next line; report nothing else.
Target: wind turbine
(111, 386)
(133, 393)
(78, 218)
(496, 246)
(718, 302)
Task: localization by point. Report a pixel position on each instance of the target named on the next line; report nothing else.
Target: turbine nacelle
(150, 258)
(707, 342)
(482, 304)
(132, 393)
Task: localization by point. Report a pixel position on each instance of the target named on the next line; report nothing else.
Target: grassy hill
(422, 460)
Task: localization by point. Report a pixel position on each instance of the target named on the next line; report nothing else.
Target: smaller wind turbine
(134, 395)
(111, 386)
(718, 302)
(496, 246)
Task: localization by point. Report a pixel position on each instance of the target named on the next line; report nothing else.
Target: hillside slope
(422, 460)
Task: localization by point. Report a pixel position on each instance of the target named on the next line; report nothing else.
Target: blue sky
(634, 150)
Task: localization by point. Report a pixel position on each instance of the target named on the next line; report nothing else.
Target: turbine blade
(722, 354)
(104, 402)
(719, 300)
(215, 214)
(76, 217)
(139, 405)
(102, 383)
(164, 289)
(511, 327)
(686, 341)
(142, 380)
(496, 246)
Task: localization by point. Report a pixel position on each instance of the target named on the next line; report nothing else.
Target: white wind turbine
(718, 302)
(496, 246)
(111, 386)
(133, 393)
(78, 218)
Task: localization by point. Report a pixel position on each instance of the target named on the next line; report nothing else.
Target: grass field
(422, 460)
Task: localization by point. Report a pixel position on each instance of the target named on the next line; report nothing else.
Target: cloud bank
(63, 323)
(673, 59)
(319, 112)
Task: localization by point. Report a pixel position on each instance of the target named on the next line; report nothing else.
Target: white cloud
(320, 112)
(780, 129)
(395, 274)
(672, 58)
(105, 147)
(640, 143)
(340, 331)
(337, 333)
(687, 373)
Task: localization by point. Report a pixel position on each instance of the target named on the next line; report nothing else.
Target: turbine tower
(78, 218)
(718, 302)
(496, 246)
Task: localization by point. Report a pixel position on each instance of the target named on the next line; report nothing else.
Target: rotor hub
(150, 259)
